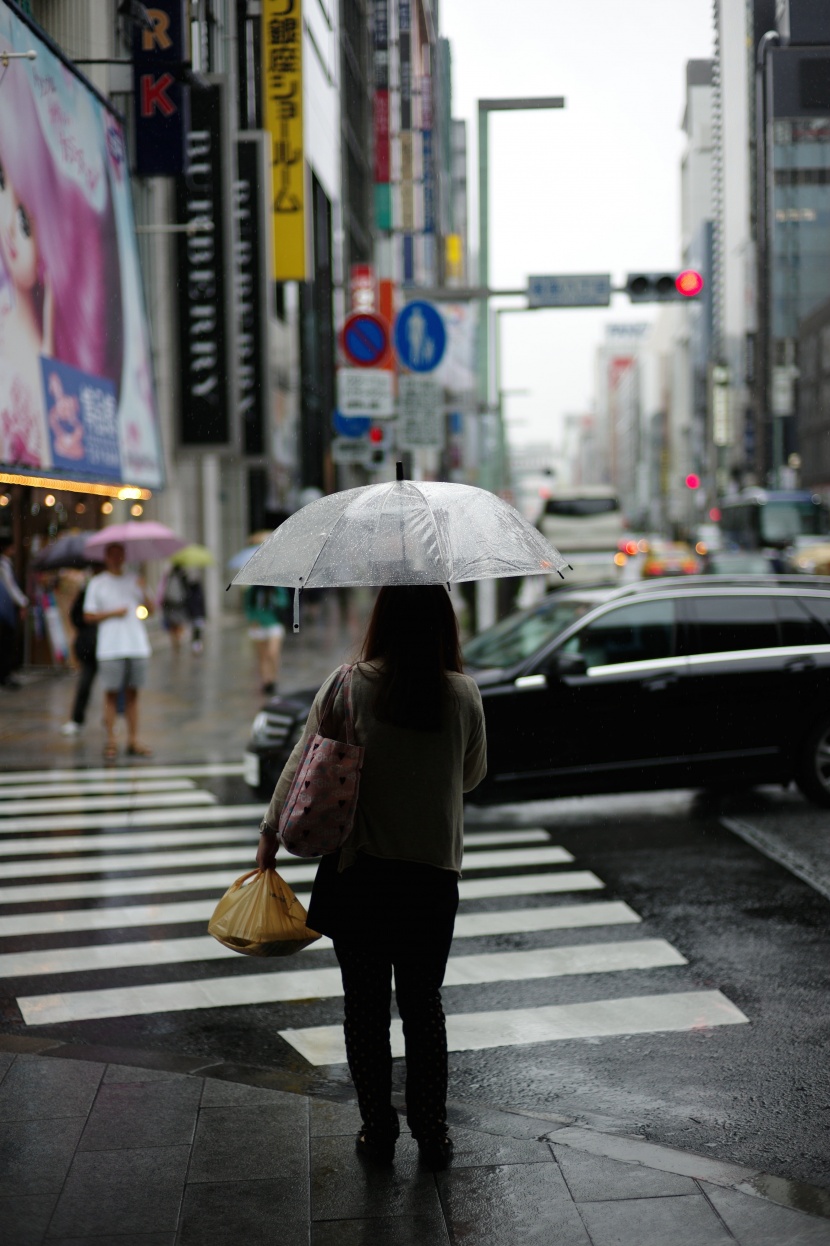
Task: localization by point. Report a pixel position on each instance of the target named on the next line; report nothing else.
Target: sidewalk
(94, 1153)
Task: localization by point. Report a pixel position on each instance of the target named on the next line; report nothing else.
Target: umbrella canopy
(193, 556)
(142, 540)
(67, 551)
(404, 532)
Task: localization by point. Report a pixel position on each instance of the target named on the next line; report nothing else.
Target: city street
(652, 964)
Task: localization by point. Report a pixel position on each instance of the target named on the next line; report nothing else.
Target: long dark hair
(412, 639)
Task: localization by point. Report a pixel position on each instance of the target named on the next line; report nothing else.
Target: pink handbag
(319, 810)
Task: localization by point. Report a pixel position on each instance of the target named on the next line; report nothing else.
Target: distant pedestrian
(86, 640)
(10, 626)
(174, 606)
(266, 610)
(113, 600)
(195, 609)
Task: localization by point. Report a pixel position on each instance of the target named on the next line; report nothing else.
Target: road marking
(141, 817)
(129, 800)
(291, 985)
(476, 1031)
(468, 889)
(113, 787)
(796, 862)
(485, 839)
(203, 769)
(172, 951)
(136, 841)
(467, 925)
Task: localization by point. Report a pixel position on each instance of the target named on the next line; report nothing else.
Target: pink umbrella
(142, 539)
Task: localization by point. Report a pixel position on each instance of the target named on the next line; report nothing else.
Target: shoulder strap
(333, 690)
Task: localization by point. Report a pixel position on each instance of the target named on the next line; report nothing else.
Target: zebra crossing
(107, 874)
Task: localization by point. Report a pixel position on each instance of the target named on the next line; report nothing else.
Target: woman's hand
(266, 857)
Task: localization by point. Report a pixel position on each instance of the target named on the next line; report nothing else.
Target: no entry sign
(364, 339)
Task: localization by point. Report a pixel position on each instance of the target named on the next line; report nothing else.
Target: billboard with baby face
(77, 398)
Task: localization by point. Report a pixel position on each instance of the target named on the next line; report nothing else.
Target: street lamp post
(485, 107)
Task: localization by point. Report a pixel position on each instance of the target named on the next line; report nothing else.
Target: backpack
(175, 590)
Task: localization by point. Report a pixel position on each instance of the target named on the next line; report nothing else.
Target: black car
(710, 681)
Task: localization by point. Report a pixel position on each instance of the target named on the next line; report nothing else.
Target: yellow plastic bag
(263, 919)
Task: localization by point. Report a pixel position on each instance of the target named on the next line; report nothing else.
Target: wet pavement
(96, 1151)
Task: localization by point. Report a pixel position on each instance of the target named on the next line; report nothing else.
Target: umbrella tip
(399, 471)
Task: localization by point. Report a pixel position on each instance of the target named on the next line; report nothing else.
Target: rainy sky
(593, 188)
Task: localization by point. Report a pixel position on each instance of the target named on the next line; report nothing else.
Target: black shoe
(268, 689)
(436, 1154)
(380, 1150)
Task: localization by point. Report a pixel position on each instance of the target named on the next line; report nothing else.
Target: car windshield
(520, 635)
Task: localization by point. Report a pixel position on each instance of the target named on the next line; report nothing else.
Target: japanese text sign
(161, 99)
(282, 110)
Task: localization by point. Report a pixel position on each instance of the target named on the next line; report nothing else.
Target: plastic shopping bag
(263, 919)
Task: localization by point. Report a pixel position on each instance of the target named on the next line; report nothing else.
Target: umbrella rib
(329, 535)
(449, 565)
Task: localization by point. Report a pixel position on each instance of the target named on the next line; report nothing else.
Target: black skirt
(394, 905)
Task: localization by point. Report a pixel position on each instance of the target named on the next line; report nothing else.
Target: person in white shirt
(113, 600)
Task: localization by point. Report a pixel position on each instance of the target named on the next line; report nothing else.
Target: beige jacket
(410, 806)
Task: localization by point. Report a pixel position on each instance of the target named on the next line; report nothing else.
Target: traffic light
(380, 441)
(663, 287)
(692, 481)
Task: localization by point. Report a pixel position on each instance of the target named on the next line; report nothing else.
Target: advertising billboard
(76, 385)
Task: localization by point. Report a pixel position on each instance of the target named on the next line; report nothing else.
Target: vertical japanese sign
(161, 99)
(380, 114)
(204, 403)
(428, 155)
(407, 189)
(282, 111)
(249, 270)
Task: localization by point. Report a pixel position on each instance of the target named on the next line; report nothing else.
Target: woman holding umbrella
(388, 897)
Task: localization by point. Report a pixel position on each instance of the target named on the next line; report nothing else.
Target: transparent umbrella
(403, 532)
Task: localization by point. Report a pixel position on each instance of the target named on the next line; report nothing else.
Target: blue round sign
(420, 336)
(351, 425)
(365, 339)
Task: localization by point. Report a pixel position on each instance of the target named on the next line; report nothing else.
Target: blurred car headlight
(259, 727)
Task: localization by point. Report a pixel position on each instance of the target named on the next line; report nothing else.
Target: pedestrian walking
(388, 897)
(172, 598)
(86, 640)
(113, 601)
(266, 610)
(10, 623)
(195, 609)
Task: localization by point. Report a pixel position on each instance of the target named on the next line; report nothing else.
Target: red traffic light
(376, 435)
(689, 283)
(692, 481)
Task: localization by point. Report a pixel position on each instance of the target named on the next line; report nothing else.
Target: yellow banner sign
(282, 110)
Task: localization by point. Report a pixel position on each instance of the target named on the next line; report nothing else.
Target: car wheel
(813, 775)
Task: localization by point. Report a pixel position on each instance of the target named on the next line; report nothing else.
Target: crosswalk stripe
(475, 1031)
(470, 889)
(205, 769)
(114, 787)
(139, 817)
(128, 800)
(202, 947)
(125, 917)
(291, 985)
(134, 841)
(212, 856)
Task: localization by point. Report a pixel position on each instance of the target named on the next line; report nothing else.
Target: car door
(596, 713)
(739, 696)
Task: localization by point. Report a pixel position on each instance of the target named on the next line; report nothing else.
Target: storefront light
(49, 500)
(4, 499)
(106, 508)
(136, 509)
(75, 486)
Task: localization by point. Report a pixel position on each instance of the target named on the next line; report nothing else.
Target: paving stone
(123, 1074)
(122, 1192)
(252, 1142)
(502, 1124)
(116, 1239)
(344, 1186)
(35, 1155)
(651, 1155)
(244, 1213)
(388, 1230)
(35, 1088)
(475, 1149)
(511, 1204)
(25, 1218)
(217, 1094)
(596, 1177)
(756, 1222)
(143, 1114)
(334, 1118)
(684, 1221)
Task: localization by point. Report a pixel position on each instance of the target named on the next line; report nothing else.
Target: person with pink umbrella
(118, 602)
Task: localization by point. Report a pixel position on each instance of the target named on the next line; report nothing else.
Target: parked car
(707, 681)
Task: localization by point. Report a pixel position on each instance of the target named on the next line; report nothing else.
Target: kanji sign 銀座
(282, 110)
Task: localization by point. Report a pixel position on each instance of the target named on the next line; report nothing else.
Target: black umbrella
(67, 551)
